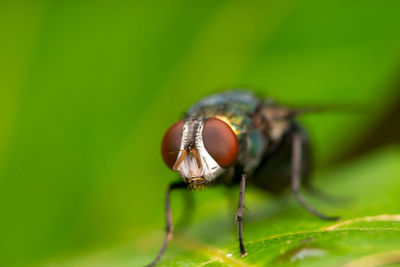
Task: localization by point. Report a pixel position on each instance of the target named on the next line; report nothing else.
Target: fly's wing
(274, 120)
(276, 112)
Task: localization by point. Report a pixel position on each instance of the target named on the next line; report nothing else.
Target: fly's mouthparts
(196, 183)
(195, 179)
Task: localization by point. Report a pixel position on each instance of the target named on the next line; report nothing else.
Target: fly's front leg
(298, 140)
(168, 216)
(239, 214)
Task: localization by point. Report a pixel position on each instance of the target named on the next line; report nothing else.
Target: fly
(234, 137)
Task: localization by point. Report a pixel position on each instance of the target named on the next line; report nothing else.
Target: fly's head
(199, 149)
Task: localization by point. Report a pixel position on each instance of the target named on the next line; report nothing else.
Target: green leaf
(280, 232)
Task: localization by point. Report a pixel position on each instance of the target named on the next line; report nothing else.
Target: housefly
(234, 137)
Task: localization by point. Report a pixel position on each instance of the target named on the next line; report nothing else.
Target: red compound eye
(220, 141)
(171, 143)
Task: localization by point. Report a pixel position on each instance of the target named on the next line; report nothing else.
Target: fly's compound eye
(220, 142)
(171, 143)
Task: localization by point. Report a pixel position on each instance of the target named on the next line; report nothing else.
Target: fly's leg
(239, 214)
(298, 140)
(168, 216)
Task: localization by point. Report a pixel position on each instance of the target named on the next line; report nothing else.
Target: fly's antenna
(180, 160)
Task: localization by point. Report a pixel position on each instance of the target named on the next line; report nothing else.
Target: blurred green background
(87, 89)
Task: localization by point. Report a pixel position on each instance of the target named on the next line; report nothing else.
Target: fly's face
(199, 149)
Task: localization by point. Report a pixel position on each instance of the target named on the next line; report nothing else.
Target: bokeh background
(87, 89)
